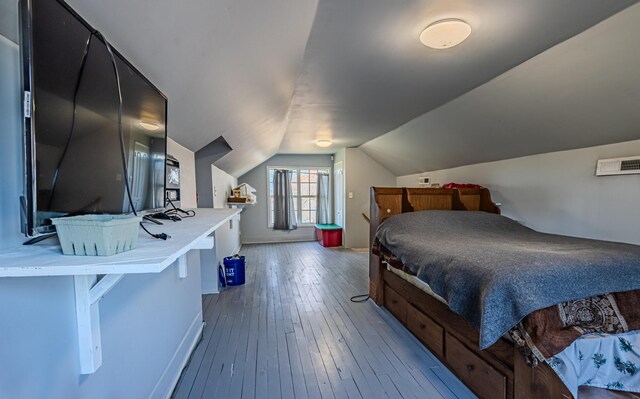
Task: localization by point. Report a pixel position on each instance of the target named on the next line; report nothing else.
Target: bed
(499, 370)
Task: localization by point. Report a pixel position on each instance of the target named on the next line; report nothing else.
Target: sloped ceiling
(583, 92)
(228, 67)
(365, 72)
(272, 76)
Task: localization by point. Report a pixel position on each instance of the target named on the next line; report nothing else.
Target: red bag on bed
(461, 185)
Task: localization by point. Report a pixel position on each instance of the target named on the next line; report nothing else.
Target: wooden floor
(292, 332)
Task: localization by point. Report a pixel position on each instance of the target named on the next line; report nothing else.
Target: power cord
(56, 172)
(359, 298)
(177, 211)
(161, 236)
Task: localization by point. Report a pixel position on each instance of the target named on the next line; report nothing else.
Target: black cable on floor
(359, 298)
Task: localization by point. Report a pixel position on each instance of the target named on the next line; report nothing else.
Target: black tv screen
(74, 162)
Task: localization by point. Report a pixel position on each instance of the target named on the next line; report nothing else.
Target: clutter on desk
(243, 194)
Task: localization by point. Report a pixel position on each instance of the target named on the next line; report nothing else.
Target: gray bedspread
(494, 271)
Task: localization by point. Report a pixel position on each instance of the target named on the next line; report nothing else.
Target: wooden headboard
(433, 199)
(478, 199)
(389, 201)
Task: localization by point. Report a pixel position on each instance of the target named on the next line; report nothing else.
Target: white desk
(150, 256)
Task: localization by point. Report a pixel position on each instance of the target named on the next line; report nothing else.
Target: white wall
(227, 237)
(149, 321)
(361, 172)
(187, 161)
(11, 163)
(254, 225)
(559, 192)
(338, 162)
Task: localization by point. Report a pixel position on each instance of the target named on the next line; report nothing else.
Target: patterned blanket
(547, 332)
(610, 361)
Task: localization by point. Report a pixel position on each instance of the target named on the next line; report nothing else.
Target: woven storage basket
(97, 234)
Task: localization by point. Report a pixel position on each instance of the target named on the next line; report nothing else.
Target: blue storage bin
(234, 269)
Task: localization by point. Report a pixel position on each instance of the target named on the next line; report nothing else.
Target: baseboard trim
(238, 248)
(210, 291)
(171, 374)
(258, 241)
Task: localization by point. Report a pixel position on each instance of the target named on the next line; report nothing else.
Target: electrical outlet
(350, 195)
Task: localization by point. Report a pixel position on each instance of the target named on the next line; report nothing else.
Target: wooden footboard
(385, 202)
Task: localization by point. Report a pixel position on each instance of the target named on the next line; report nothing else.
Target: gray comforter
(493, 271)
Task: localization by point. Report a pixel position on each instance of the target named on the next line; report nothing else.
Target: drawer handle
(470, 367)
(388, 210)
(422, 326)
(393, 301)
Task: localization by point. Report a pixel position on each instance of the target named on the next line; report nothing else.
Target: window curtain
(322, 197)
(284, 215)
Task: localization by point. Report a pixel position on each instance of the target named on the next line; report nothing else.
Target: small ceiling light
(324, 143)
(149, 126)
(445, 33)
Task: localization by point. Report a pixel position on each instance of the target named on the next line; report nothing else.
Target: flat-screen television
(75, 153)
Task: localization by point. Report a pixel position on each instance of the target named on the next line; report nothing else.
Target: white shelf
(151, 256)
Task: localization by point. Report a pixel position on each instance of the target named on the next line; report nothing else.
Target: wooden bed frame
(499, 371)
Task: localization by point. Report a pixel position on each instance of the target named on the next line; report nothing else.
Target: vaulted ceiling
(273, 76)
(581, 93)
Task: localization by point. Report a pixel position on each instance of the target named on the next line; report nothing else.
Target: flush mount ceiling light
(149, 126)
(324, 143)
(445, 33)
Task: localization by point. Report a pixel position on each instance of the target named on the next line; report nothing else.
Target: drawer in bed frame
(395, 304)
(430, 321)
(426, 330)
(422, 326)
(479, 375)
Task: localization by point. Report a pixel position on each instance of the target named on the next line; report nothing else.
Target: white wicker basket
(102, 235)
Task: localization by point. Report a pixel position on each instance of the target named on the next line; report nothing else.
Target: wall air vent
(423, 181)
(618, 166)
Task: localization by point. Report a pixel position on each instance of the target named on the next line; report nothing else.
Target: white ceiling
(273, 76)
(365, 72)
(228, 67)
(581, 93)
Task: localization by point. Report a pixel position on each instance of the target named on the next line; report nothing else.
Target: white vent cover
(423, 181)
(618, 166)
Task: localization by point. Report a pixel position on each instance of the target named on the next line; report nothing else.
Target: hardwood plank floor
(292, 332)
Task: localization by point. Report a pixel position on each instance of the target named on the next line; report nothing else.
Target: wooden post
(384, 202)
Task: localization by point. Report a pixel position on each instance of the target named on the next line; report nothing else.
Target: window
(304, 186)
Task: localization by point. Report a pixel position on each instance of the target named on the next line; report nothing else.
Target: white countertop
(151, 255)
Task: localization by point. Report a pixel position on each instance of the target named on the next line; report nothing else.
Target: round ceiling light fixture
(445, 33)
(324, 143)
(151, 126)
